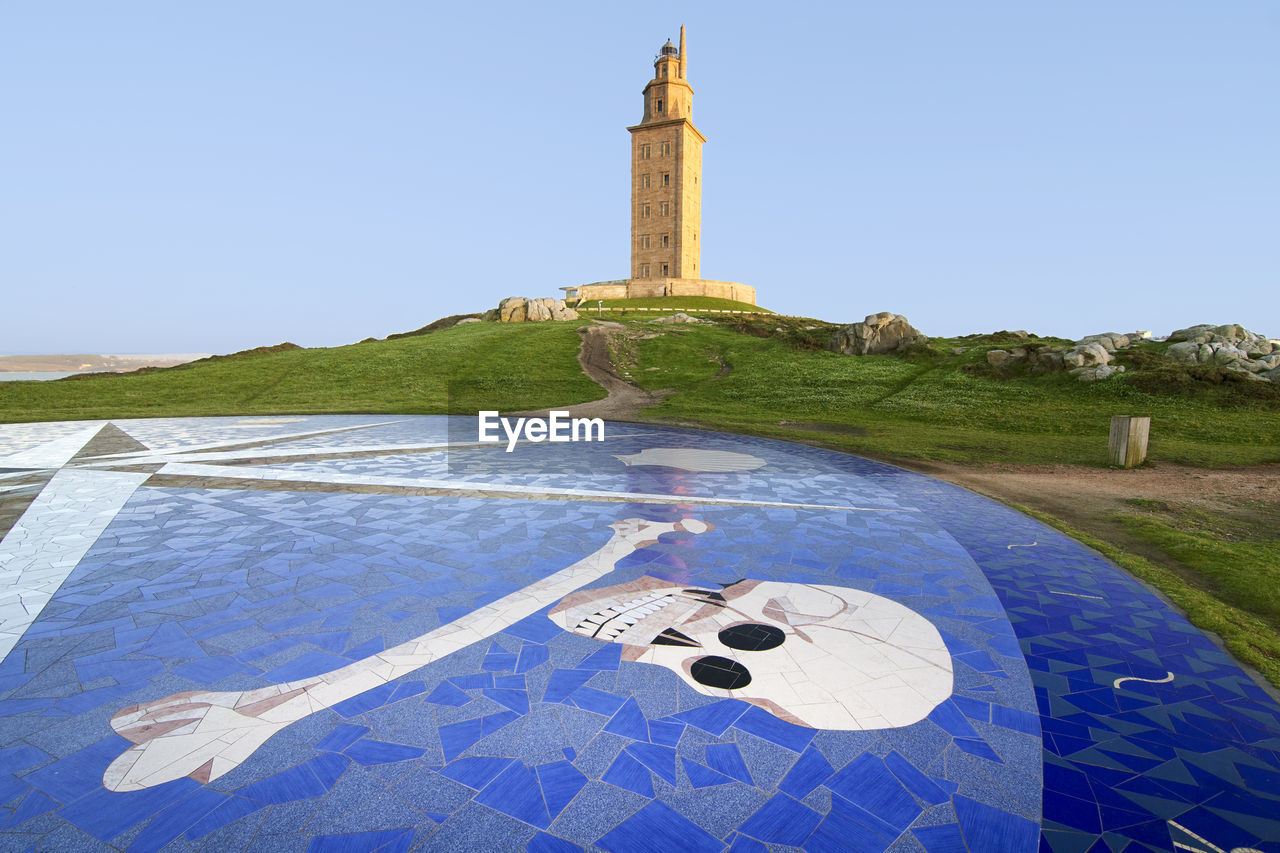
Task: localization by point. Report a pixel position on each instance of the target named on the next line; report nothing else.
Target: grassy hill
(934, 405)
(767, 376)
(511, 366)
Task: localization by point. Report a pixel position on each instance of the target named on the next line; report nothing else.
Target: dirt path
(625, 400)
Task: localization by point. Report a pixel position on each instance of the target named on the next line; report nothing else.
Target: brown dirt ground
(1088, 499)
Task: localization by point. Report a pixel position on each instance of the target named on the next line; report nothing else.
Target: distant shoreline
(33, 375)
(70, 363)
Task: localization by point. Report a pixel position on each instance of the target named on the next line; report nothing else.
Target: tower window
(644, 270)
(659, 104)
(666, 179)
(664, 209)
(644, 212)
(665, 149)
(644, 241)
(644, 152)
(666, 241)
(644, 182)
(665, 273)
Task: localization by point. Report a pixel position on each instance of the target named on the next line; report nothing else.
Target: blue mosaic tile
(389, 841)
(597, 701)
(629, 722)
(564, 682)
(765, 725)
(544, 843)
(665, 733)
(476, 772)
(985, 828)
(725, 758)
(230, 589)
(782, 820)
(560, 783)
(516, 792)
(657, 828)
(660, 759)
(176, 819)
(715, 717)
(33, 805)
(628, 773)
(230, 810)
(702, 777)
(296, 783)
(341, 737)
(869, 784)
(369, 752)
(447, 693)
(810, 771)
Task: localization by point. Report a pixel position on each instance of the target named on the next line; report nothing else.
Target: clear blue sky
(180, 177)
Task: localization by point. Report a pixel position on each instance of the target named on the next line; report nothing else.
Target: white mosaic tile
(44, 545)
(53, 453)
(286, 475)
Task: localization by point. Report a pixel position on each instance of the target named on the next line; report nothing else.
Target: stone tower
(666, 174)
(666, 197)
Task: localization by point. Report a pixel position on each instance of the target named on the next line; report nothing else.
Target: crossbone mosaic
(338, 633)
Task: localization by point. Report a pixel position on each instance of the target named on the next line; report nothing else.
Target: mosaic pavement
(328, 633)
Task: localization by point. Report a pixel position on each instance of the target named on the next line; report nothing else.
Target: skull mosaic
(821, 656)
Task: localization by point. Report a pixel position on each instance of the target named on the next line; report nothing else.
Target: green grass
(1212, 600)
(677, 303)
(1238, 560)
(930, 405)
(510, 366)
(935, 405)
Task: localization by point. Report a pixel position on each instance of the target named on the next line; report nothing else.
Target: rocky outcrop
(1231, 347)
(876, 335)
(1206, 333)
(1090, 354)
(1095, 374)
(519, 309)
(678, 317)
(1110, 341)
(1088, 359)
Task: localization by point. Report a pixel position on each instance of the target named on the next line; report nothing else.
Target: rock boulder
(1110, 341)
(878, 334)
(519, 309)
(678, 317)
(1098, 373)
(1230, 346)
(1089, 354)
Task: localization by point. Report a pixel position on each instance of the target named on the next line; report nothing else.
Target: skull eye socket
(752, 637)
(715, 671)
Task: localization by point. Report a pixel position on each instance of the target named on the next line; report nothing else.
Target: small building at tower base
(659, 287)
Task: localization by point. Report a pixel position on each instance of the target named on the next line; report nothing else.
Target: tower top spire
(684, 57)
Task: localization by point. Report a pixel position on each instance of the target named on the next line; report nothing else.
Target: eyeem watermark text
(558, 427)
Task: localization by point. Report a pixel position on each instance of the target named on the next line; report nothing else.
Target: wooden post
(1128, 444)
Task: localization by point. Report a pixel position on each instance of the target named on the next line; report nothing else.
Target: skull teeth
(620, 617)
